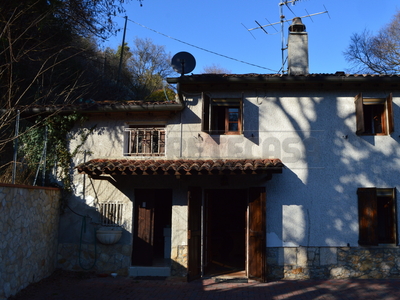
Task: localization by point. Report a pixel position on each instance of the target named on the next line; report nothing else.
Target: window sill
(373, 134)
(379, 246)
(225, 133)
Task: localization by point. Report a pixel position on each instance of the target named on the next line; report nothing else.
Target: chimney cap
(297, 25)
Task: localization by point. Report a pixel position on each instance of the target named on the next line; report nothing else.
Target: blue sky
(212, 30)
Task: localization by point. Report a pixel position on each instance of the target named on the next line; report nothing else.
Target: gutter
(98, 107)
(259, 78)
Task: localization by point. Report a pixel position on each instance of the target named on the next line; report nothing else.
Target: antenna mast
(282, 22)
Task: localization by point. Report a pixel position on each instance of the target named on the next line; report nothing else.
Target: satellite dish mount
(183, 63)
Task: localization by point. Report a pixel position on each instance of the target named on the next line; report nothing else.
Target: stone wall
(95, 257)
(28, 235)
(333, 262)
(179, 262)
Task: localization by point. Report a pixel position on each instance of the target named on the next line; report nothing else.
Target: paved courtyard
(69, 285)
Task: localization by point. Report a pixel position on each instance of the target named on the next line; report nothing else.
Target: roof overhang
(97, 167)
(278, 78)
(101, 107)
(198, 82)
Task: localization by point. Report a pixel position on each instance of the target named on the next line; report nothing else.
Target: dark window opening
(222, 116)
(377, 216)
(226, 120)
(386, 220)
(374, 116)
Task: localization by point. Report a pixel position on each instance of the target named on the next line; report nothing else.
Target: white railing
(145, 141)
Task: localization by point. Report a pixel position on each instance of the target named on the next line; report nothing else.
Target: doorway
(225, 232)
(152, 227)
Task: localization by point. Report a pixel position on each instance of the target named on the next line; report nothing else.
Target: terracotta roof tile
(100, 106)
(179, 167)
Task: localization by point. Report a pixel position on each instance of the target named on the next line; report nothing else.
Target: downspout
(180, 97)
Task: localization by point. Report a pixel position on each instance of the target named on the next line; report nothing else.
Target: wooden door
(143, 241)
(257, 234)
(194, 232)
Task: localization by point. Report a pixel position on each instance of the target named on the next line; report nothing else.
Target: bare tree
(148, 65)
(46, 59)
(215, 69)
(378, 53)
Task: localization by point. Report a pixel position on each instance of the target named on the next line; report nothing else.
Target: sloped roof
(254, 77)
(105, 106)
(180, 167)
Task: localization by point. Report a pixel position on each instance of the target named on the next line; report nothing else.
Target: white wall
(314, 201)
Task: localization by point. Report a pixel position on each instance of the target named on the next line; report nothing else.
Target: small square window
(111, 214)
(374, 116)
(377, 216)
(144, 141)
(222, 116)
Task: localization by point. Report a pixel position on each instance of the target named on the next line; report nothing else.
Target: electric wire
(200, 48)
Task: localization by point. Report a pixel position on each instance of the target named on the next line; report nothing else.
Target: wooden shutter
(359, 114)
(257, 234)
(389, 106)
(205, 119)
(367, 216)
(194, 233)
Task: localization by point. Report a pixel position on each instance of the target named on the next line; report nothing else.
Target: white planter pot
(109, 235)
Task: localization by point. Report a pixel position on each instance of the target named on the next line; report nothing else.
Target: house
(263, 176)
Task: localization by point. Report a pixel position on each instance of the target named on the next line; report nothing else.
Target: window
(374, 116)
(377, 216)
(145, 141)
(222, 116)
(111, 214)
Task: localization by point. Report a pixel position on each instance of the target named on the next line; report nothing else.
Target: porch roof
(180, 167)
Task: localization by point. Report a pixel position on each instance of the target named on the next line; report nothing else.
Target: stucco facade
(312, 210)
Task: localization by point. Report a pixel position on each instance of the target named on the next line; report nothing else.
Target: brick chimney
(297, 48)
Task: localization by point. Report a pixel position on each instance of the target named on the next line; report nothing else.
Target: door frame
(255, 233)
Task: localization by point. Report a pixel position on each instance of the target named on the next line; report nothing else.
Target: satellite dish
(183, 63)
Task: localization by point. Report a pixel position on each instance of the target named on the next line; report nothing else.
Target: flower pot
(109, 235)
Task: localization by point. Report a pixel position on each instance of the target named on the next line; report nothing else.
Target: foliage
(162, 95)
(57, 129)
(48, 55)
(378, 53)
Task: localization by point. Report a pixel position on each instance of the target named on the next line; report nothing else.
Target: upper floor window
(222, 116)
(374, 116)
(377, 216)
(145, 141)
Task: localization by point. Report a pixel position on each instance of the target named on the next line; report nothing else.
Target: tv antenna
(282, 22)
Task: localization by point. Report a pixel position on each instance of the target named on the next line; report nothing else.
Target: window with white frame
(145, 140)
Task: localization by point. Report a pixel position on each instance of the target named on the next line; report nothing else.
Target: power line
(203, 49)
